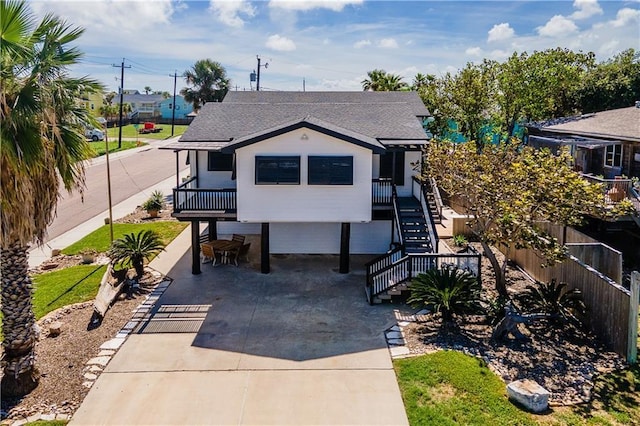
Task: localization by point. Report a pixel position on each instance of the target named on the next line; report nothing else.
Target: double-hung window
(278, 170)
(330, 170)
(613, 156)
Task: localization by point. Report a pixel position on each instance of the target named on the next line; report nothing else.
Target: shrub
(448, 291)
(154, 202)
(460, 240)
(132, 250)
(561, 305)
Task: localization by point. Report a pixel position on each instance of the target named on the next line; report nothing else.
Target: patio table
(226, 247)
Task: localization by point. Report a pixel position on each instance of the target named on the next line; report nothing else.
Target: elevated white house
(310, 172)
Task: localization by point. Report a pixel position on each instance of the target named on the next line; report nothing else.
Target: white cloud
(626, 16)
(303, 5)
(388, 43)
(361, 43)
(114, 15)
(474, 51)
(282, 44)
(585, 9)
(499, 55)
(500, 32)
(557, 26)
(228, 11)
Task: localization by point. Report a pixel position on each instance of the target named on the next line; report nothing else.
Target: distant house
(92, 102)
(183, 108)
(142, 106)
(605, 146)
(604, 143)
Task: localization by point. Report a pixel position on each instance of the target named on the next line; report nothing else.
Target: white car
(94, 134)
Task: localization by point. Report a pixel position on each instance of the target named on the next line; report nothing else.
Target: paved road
(131, 173)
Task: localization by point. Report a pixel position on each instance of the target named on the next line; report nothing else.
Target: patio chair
(238, 238)
(208, 254)
(244, 251)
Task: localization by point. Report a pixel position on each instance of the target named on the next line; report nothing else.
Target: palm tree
(147, 89)
(209, 81)
(132, 249)
(42, 146)
(382, 81)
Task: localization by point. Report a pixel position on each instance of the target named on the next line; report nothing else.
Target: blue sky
(330, 44)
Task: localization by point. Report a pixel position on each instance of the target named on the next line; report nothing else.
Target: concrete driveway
(299, 346)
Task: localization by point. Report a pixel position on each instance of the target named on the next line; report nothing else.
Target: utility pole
(122, 67)
(173, 110)
(266, 65)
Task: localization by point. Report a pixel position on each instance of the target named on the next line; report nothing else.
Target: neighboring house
(605, 146)
(142, 106)
(92, 102)
(183, 108)
(310, 172)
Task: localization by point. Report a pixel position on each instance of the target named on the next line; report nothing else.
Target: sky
(328, 44)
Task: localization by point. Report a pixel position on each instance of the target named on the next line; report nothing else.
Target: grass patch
(99, 239)
(450, 388)
(47, 423)
(100, 149)
(56, 289)
(129, 131)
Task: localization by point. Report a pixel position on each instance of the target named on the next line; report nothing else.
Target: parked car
(94, 134)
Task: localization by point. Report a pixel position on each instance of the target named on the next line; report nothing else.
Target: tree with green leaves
(508, 189)
(611, 84)
(209, 83)
(42, 149)
(132, 250)
(382, 81)
(147, 89)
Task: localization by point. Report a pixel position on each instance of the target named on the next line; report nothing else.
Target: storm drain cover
(175, 319)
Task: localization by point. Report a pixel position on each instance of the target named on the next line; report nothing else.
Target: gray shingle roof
(621, 123)
(377, 115)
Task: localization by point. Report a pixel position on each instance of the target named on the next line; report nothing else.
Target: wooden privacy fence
(613, 308)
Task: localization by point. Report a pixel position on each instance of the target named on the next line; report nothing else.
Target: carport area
(298, 346)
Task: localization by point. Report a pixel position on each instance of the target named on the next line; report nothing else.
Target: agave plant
(561, 305)
(448, 291)
(132, 250)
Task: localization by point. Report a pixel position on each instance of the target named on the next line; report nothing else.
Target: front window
(329, 170)
(613, 156)
(278, 170)
(219, 162)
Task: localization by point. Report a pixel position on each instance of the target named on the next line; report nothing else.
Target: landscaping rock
(529, 394)
(55, 328)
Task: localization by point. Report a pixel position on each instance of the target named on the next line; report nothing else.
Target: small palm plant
(448, 291)
(561, 305)
(154, 203)
(132, 250)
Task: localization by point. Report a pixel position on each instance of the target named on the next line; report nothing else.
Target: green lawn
(450, 388)
(99, 239)
(100, 146)
(53, 290)
(130, 132)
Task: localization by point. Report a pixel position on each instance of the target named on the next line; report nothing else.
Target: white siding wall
(304, 203)
(207, 179)
(324, 238)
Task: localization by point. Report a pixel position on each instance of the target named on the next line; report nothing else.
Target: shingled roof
(377, 115)
(621, 124)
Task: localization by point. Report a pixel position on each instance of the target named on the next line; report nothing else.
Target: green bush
(564, 307)
(154, 202)
(448, 291)
(460, 240)
(132, 249)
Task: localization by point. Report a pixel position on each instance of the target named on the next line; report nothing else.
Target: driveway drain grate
(175, 319)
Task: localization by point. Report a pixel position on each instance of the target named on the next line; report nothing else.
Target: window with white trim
(613, 156)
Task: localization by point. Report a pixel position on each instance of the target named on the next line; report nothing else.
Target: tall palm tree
(42, 146)
(147, 89)
(209, 81)
(382, 81)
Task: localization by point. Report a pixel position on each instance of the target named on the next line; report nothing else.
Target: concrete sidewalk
(299, 346)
